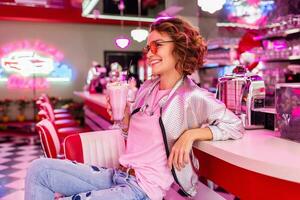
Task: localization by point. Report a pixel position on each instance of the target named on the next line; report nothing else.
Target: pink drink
(118, 98)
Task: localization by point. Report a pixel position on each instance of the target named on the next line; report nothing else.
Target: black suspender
(180, 191)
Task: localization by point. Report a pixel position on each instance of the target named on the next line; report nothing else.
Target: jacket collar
(177, 87)
(183, 86)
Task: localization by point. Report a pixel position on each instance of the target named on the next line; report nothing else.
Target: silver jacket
(189, 106)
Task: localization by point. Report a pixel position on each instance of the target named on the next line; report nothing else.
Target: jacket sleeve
(222, 122)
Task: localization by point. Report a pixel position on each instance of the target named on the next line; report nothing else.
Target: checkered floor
(16, 152)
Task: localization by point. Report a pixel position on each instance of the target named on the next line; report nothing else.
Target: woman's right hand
(108, 107)
(126, 113)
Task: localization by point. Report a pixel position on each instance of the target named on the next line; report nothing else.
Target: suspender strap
(135, 111)
(180, 191)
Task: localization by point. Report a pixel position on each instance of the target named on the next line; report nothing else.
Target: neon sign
(27, 63)
(36, 45)
(249, 11)
(19, 82)
(32, 65)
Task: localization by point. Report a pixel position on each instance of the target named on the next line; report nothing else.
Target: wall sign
(252, 12)
(32, 65)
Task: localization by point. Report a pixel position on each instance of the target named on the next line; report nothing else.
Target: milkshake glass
(117, 92)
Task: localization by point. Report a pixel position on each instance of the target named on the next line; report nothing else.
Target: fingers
(108, 107)
(178, 158)
(186, 157)
(170, 159)
(175, 159)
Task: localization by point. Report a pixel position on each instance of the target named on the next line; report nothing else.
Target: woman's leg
(124, 187)
(118, 192)
(47, 176)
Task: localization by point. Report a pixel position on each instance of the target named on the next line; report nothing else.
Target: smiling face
(161, 61)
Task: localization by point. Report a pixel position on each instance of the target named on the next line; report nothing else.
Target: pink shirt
(145, 151)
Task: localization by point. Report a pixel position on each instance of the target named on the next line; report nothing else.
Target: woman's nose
(149, 54)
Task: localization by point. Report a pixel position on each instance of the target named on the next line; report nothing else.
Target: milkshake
(118, 97)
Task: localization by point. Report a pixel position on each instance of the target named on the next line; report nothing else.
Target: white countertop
(97, 98)
(259, 151)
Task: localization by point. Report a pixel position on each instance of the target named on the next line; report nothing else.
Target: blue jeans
(76, 181)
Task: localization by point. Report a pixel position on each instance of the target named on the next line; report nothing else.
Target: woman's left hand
(180, 152)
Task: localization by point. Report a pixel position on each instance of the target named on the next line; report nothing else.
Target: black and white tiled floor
(16, 152)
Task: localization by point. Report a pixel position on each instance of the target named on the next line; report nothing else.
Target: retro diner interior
(57, 57)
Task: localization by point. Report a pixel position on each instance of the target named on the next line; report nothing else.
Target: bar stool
(49, 139)
(46, 112)
(44, 98)
(52, 140)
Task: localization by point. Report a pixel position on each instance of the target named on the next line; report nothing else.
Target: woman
(170, 113)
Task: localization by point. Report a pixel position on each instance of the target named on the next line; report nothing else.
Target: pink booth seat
(103, 148)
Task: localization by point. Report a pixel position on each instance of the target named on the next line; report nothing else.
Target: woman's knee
(38, 167)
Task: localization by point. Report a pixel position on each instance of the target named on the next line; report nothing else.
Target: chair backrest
(38, 103)
(48, 108)
(49, 139)
(101, 148)
(45, 98)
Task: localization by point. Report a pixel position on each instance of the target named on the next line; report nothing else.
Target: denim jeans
(76, 181)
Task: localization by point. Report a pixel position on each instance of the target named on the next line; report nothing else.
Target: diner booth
(60, 61)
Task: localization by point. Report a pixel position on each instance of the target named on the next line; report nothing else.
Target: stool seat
(64, 123)
(60, 111)
(63, 116)
(64, 132)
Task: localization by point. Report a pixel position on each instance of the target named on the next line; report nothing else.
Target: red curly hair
(190, 47)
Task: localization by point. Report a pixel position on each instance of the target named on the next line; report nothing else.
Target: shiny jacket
(187, 107)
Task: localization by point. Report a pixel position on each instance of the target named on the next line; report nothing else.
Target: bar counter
(96, 116)
(259, 166)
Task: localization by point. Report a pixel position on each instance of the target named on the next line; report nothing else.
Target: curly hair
(190, 47)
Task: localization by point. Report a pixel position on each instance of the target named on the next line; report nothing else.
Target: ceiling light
(122, 42)
(139, 34)
(211, 6)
